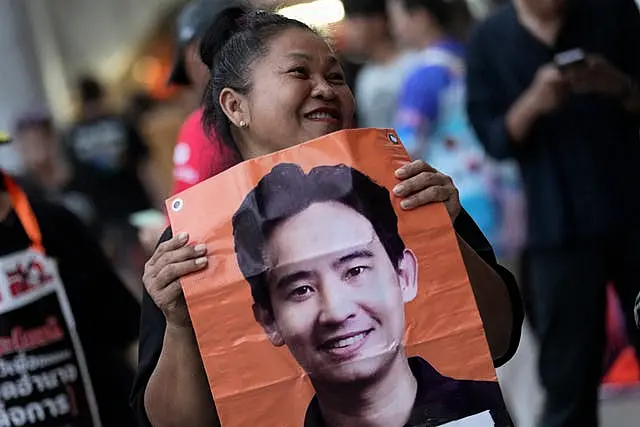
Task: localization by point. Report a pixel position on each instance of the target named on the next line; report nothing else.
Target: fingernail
(400, 173)
(201, 248)
(405, 204)
(201, 261)
(183, 236)
(398, 189)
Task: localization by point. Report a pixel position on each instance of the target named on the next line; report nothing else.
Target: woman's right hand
(172, 260)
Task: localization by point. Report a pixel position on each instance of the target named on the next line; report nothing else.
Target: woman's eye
(299, 72)
(336, 77)
(355, 272)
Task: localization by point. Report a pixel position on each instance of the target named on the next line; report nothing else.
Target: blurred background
(127, 45)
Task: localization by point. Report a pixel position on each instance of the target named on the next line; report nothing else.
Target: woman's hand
(421, 184)
(172, 260)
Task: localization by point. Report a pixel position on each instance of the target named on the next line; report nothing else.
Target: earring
(243, 124)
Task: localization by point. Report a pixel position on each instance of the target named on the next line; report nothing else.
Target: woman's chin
(320, 128)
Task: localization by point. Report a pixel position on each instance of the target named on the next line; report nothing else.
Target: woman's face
(298, 93)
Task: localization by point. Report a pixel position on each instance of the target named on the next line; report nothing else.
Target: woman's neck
(384, 52)
(431, 37)
(543, 26)
(387, 402)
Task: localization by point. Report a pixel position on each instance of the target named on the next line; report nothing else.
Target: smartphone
(570, 59)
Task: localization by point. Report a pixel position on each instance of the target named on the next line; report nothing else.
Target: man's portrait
(325, 303)
(330, 276)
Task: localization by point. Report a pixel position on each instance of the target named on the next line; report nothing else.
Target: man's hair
(89, 89)
(287, 191)
(444, 11)
(355, 8)
(36, 119)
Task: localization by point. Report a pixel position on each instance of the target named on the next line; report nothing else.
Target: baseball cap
(192, 23)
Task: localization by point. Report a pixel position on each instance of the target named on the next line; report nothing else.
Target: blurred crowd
(533, 110)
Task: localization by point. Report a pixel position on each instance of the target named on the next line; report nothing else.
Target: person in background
(47, 174)
(110, 156)
(111, 162)
(433, 124)
(379, 81)
(572, 124)
(105, 314)
(197, 156)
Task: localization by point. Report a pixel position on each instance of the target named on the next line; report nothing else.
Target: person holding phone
(554, 84)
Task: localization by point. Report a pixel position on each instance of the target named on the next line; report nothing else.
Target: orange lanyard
(23, 210)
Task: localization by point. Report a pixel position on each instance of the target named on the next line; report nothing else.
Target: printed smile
(345, 342)
(346, 347)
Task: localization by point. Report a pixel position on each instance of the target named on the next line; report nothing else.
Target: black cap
(192, 23)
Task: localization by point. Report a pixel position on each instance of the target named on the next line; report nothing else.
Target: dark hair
(353, 8)
(90, 89)
(287, 191)
(452, 15)
(236, 38)
(32, 120)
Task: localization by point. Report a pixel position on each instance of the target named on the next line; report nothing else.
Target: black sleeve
(152, 327)
(97, 294)
(138, 150)
(629, 17)
(466, 227)
(485, 108)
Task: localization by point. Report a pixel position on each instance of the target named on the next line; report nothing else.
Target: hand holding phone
(570, 59)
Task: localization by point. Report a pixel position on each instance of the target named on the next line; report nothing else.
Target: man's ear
(265, 318)
(408, 275)
(235, 106)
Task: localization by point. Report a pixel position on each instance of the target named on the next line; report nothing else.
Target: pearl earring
(243, 124)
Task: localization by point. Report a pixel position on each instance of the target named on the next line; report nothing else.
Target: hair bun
(227, 23)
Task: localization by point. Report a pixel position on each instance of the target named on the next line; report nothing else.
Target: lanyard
(23, 210)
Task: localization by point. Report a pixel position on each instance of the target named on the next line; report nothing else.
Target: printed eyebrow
(359, 254)
(288, 279)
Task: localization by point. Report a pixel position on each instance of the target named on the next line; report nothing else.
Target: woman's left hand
(421, 184)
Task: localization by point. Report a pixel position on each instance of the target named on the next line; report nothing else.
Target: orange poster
(322, 295)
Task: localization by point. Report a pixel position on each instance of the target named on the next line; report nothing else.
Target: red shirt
(197, 157)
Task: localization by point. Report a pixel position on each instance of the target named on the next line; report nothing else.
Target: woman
(275, 84)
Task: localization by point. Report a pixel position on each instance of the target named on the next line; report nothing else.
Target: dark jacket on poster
(440, 400)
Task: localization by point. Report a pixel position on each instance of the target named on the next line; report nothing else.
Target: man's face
(338, 302)
(37, 148)
(197, 71)
(405, 25)
(364, 32)
(549, 7)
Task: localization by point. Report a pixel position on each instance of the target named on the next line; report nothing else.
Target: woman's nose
(323, 90)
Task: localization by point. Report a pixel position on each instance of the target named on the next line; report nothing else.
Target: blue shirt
(432, 124)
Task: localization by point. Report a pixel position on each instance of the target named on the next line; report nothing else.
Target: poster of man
(352, 298)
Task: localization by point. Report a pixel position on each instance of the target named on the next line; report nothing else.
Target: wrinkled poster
(322, 292)
(43, 376)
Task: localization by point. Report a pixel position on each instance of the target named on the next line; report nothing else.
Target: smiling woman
(312, 97)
